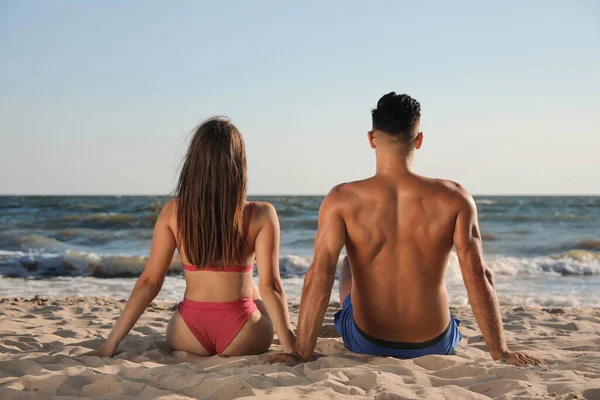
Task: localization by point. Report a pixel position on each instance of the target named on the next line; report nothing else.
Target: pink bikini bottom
(215, 325)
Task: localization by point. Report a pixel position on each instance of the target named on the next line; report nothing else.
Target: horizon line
(285, 195)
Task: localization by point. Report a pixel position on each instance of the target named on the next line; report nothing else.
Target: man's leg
(345, 280)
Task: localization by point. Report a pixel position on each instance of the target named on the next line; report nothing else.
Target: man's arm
(480, 285)
(318, 281)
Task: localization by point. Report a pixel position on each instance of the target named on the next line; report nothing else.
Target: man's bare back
(399, 234)
(398, 229)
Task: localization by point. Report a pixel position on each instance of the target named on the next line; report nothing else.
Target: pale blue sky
(98, 97)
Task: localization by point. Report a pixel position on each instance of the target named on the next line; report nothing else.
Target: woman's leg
(345, 280)
(257, 335)
(180, 338)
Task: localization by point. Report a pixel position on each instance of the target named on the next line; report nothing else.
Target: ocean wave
(291, 265)
(99, 217)
(300, 224)
(570, 263)
(87, 206)
(88, 236)
(295, 206)
(486, 201)
(489, 237)
(526, 292)
(65, 239)
(107, 220)
(154, 206)
(36, 242)
(76, 263)
(556, 217)
(302, 242)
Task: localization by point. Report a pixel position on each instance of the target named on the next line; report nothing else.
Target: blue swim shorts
(358, 341)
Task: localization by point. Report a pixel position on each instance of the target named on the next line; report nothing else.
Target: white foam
(486, 201)
(529, 291)
(75, 263)
(570, 279)
(575, 262)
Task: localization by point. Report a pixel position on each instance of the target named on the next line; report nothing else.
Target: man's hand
(289, 359)
(106, 350)
(520, 359)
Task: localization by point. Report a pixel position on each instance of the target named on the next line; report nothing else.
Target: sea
(543, 250)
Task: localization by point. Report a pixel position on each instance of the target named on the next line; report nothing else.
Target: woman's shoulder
(168, 213)
(263, 207)
(263, 211)
(170, 207)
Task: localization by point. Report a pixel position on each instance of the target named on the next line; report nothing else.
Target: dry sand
(41, 340)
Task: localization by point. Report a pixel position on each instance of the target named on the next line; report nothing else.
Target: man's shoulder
(454, 191)
(343, 195)
(347, 190)
(449, 191)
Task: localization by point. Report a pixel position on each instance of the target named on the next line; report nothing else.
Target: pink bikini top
(246, 268)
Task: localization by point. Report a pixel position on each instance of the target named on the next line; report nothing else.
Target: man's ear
(371, 138)
(419, 140)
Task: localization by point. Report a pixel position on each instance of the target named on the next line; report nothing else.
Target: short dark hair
(397, 115)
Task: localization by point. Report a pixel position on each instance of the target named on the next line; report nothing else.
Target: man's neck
(394, 161)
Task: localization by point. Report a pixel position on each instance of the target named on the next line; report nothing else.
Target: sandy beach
(41, 340)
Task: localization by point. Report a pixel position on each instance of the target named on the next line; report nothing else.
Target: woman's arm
(269, 281)
(148, 284)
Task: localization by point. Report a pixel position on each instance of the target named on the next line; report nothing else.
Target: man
(399, 229)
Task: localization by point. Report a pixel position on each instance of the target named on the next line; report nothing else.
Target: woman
(219, 235)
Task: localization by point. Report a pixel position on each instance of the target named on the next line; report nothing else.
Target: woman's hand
(106, 350)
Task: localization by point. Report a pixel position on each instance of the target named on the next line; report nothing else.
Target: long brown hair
(211, 194)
